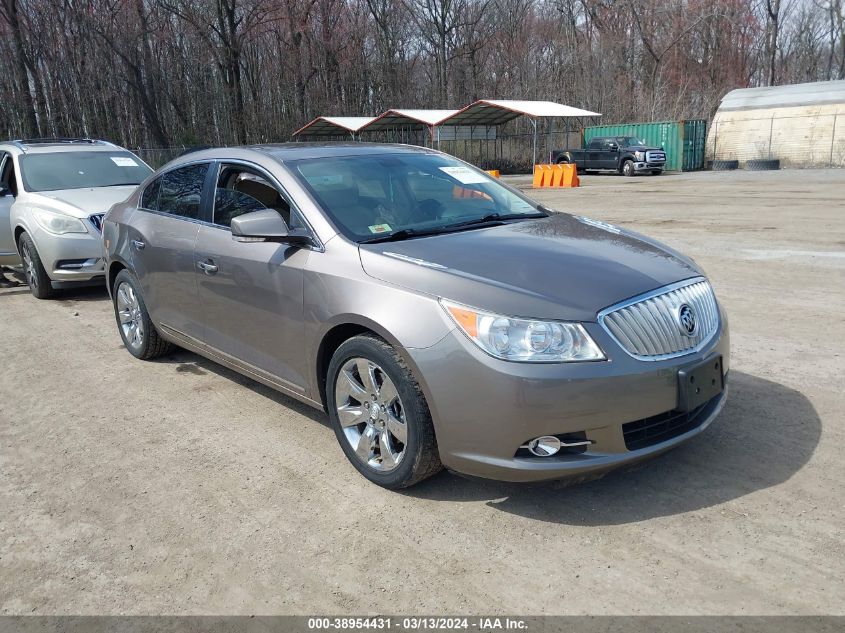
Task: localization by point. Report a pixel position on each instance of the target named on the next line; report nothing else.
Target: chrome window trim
(655, 293)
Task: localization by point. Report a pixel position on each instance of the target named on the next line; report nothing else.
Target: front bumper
(643, 166)
(72, 258)
(484, 409)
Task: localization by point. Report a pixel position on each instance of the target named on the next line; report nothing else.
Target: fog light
(545, 446)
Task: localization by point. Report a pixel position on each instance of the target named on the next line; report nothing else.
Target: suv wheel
(628, 168)
(379, 414)
(133, 321)
(34, 272)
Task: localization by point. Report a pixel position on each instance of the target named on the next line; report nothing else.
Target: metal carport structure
(494, 112)
(327, 126)
(396, 119)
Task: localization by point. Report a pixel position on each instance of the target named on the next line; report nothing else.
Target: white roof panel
(333, 125)
(407, 118)
(498, 111)
(815, 93)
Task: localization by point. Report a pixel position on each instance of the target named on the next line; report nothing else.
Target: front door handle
(208, 268)
(138, 244)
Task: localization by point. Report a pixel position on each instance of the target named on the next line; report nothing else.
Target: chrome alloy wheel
(371, 414)
(29, 267)
(129, 313)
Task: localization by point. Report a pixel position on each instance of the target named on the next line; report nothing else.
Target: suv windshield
(377, 196)
(80, 170)
(630, 141)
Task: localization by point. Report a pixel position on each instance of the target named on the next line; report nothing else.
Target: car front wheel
(379, 414)
(133, 321)
(34, 271)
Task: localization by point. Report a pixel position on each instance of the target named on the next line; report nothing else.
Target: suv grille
(656, 326)
(655, 157)
(97, 221)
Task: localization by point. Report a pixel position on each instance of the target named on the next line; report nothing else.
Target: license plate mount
(699, 384)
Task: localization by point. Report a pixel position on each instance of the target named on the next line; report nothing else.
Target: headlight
(524, 340)
(639, 155)
(58, 223)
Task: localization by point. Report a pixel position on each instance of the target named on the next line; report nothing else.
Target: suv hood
(80, 203)
(561, 267)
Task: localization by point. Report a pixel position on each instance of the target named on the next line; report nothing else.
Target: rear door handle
(208, 268)
(138, 244)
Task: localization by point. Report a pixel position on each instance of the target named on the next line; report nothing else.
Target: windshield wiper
(491, 219)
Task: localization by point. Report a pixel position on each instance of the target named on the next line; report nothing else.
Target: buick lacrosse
(439, 316)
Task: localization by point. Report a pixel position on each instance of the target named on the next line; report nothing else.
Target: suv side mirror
(613, 147)
(266, 226)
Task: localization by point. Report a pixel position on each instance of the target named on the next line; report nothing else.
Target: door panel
(252, 295)
(8, 251)
(162, 250)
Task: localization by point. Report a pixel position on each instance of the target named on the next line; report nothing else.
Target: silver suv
(439, 316)
(53, 196)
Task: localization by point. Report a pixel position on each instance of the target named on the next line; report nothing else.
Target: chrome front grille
(97, 221)
(655, 326)
(655, 157)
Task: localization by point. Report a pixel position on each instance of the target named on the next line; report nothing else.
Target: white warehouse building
(803, 125)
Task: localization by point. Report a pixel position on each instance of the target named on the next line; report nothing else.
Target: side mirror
(266, 226)
(613, 147)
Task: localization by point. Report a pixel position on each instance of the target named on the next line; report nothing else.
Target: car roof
(282, 152)
(52, 145)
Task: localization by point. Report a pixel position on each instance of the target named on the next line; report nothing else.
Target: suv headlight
(524, 340)
(639, 155)
(58, 223)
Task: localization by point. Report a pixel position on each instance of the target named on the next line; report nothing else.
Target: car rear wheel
(133, 321)
(628, 168)
(379, 414)
(33, 270)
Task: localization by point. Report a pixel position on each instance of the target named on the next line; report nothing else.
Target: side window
(596, 143)
(7, 174)
(609, 143)
(149, 200)
(181, 191)
(242, 190)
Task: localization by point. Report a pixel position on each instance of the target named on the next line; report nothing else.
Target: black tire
(420, 458)
(152, 344)
(34, 272)
(628, 168)
(760, 164)
(724, 165)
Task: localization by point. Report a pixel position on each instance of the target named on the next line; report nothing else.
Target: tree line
(160, 73)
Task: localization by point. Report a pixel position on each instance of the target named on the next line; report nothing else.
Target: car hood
(81, 203)
(642, 148)
(561, 267)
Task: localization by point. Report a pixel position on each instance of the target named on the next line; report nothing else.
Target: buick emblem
(686, 319)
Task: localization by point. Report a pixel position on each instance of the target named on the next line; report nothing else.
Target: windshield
(630, 141)
(375, 196)
(80, 170)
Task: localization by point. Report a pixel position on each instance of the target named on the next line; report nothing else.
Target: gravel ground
(180, 487)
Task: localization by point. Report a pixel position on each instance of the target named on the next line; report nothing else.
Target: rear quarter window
(180, 191)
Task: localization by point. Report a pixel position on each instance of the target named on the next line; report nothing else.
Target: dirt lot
(180, 487)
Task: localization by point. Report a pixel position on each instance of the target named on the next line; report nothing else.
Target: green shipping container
(683, 140)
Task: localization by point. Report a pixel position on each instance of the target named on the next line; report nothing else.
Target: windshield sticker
(123, 161)
(465, 175)
(379, 228)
